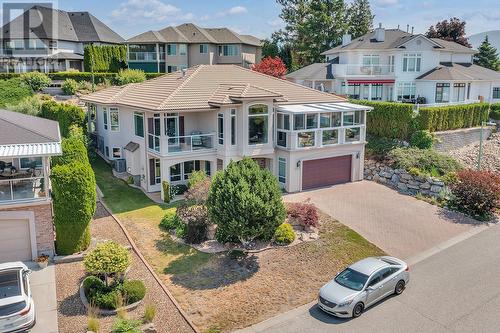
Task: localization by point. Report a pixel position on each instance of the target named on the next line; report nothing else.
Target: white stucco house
(394, 65)
(204, 117)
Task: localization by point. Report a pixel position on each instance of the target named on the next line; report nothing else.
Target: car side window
(375, 279)
(386, 272)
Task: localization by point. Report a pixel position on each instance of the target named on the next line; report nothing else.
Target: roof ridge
(122, 91)
(180, 86)
(29, 129)
(265, 89)
(179, 32)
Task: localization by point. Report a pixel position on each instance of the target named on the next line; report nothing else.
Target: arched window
(258, 122)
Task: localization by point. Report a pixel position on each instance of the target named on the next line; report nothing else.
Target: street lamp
(483, 123)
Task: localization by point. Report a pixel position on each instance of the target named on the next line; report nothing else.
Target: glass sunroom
(320, 125)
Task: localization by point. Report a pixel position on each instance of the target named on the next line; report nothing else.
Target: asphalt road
(455, 290)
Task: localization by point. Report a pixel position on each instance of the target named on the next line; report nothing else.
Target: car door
(389, 280)
(373, 289)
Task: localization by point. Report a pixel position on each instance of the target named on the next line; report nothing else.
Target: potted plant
(42, 260)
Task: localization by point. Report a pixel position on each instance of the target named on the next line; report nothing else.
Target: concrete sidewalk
(43, 288)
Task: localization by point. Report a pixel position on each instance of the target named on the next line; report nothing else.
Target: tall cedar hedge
(79, 76)
(445, 118)
(245, 203)
(105, 58)
(74, 151)
(66, 114)
(74, 195)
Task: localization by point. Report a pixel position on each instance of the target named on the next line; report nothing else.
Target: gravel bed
(491, 154)
(72, 316)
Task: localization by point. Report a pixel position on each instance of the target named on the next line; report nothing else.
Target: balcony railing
(22, 189)
(144, 56)
(319, 138)
(195, 143)
(343, 70)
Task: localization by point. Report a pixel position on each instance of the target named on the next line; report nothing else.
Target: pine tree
(487, 56)
(360, 18)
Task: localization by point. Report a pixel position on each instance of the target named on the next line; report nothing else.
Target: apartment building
(394, 65)
(204, 117)
(187, 45)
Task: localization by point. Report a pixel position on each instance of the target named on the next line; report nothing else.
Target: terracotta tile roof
(203, 85)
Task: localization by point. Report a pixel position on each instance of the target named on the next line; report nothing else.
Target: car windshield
(351, 279)
(9, 284)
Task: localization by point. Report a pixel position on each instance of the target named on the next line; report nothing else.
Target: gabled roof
(204, 85)
(40, 22)
(191, 33)
(394, 39)
(316, 71)
(448, 71)
(24, 135)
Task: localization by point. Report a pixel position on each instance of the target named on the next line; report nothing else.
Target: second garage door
(15, 243)
(326, 172)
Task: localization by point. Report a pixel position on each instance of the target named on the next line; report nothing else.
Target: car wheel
(358, 310)
(400, 287)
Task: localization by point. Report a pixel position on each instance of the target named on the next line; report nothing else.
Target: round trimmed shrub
(245, 202)
(126, 76)
(69, 87)
(195, 220)
(133, 291)
(284, 234)
(105, 299)
(107, 258)
(92, 282)
(35, 80)
(422, 140)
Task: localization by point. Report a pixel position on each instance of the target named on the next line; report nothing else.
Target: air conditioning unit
(120, 165)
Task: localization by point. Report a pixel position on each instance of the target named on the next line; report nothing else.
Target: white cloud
(386, 3)
(237, 10)
(147, 10)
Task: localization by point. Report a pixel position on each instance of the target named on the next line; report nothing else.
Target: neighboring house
(50, 40)
(26, 145)
(204, 117)
(187, 45)
(393, 65)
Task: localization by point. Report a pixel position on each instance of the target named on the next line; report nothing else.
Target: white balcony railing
(22, 189)
(343, 70)
(319, 138)
(144, 56)
(195, 143)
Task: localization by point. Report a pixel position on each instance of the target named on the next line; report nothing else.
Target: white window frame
(105, 118)
(282, 178)
(226, 50)
(220, 128)
(267, 115)
(234, 126)
(113, 152)
(203, 49)
(169, 49)
(400, 90)
(417, 62)
(183, 50)
(116, 127)
(141, 115)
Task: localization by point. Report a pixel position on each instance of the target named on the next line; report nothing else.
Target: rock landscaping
(491, 154)
(402, 180)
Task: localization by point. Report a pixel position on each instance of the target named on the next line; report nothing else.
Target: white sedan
(17, 310)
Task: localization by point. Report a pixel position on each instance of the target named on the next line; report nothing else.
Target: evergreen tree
(487, 56)
(270, 49)
(360, 18)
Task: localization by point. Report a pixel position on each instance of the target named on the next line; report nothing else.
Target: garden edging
(149, 268)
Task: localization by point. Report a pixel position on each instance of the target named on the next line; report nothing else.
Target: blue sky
(261, 17)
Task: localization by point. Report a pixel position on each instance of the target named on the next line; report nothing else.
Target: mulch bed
(72, 315)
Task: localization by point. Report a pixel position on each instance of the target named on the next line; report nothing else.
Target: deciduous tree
(452, 30)
(271, 66)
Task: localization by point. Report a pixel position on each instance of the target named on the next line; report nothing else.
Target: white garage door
(15, 241)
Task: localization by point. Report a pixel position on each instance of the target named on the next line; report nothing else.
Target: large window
(377, 91)
(282, 170)
(229, 50)
(220, 128)
(114, 119)
(371, 60)
(139, 124)
(30, 162)
(171, 49)
(412, 62)
(391, 63)
(183, 49)
(299, 121)
(157, 171)
(306, 139)
(203, 48)
(105, 118)
(354, 90)
(352, 134)
(353, 118)
(459, 92)
(233, 127)
(258, 122)
(283, 121)
(330, 137)
(496, 92)
(406, 91)
(442, 92)
(331, 119)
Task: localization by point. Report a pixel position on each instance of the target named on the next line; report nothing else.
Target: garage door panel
(326, 172)
(15, 242)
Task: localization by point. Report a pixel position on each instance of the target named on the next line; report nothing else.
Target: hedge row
(105, 58)
(452, 117)
(79, 76)
(389, 120)
(66, 114)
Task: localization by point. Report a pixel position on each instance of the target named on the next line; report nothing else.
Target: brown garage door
(326, 171)
(15, 241)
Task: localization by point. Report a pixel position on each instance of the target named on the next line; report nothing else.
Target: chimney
(346, 39)
(184, 70)
(398, 26)
(412, 28)
(380, 33)
(407, 28)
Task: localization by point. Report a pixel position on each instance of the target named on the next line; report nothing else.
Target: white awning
(31, 149)
(323, 107)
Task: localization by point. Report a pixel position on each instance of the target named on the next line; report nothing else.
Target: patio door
(154, 132)
(172, 129)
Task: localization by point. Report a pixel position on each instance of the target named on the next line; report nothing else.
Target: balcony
(22, 190)
(345, 70)
(176, 145)
(144, 56)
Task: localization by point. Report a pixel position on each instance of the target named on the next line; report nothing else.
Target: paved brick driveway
(400, 225)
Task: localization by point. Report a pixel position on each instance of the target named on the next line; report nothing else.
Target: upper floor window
(30, 162)
(139, 124)
(183, 49)
(371, 60)
(105, 117)
(442, 92)
(258, 122)
(283, 121)
(233, 127)
(220, 128)
(171, 49)
(353, 118)
(392, 61)
(411, 62)
(229, 50)
(203, 48)
(114, 119)
(496, 92)
(331, 119)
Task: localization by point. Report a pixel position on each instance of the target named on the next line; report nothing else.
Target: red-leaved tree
(273, 66)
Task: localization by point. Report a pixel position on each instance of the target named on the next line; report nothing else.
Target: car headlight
(345, 303)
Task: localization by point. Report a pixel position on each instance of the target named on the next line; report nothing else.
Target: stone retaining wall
(401, 180)
(455, 139)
